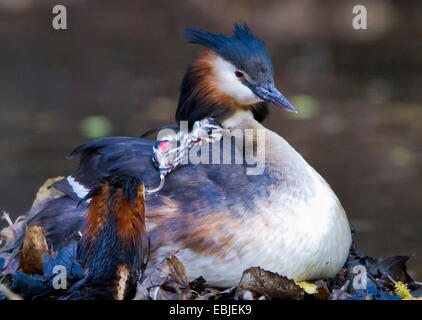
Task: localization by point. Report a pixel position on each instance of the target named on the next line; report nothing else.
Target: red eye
(239, 74)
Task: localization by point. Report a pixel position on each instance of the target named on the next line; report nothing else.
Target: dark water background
(117, 69)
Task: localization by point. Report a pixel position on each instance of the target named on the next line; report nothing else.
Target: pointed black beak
(268, 92)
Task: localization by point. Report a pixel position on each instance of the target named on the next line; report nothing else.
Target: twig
(9, 221)
(216, 292)
(375, 281)
(9, 294)
(344, 287)
(12, 256)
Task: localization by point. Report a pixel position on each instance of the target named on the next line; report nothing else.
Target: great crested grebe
(217, 219)
(114, 247)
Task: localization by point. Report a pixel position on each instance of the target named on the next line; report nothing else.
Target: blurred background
(117, 70)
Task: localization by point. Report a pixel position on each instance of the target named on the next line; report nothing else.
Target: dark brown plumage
(114, 244)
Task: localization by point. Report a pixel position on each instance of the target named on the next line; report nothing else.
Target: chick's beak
(268, 92)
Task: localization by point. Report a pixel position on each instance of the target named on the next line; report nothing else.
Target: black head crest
(245, 50)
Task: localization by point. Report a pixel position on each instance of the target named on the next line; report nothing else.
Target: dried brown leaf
(269, 284)
(45, 193)
(168, 281)
(31, 260)
(323, 291)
